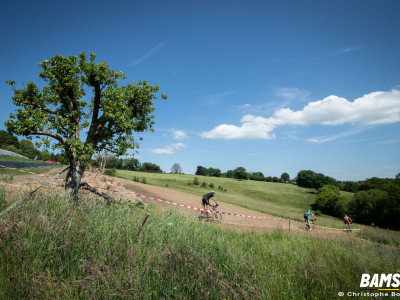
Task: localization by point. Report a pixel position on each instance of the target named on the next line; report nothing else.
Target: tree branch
(41, 107)
(85, 186)
(48, 133)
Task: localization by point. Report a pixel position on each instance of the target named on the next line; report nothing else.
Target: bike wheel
(314, 227)
(305, 227)
(217, 218)
(201, 215)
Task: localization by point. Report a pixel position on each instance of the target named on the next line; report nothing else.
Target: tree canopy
(176, 168)
(60, 110)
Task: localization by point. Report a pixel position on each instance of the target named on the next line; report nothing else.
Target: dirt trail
(240, 224)
(232, 222)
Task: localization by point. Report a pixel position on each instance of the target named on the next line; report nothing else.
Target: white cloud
(253, 127)
(169, 149)
(371, 109)
(179, 134)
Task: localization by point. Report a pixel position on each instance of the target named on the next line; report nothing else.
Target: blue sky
(271, 86)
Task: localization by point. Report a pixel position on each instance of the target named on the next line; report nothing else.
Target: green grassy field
(278, 199)
(50, 248)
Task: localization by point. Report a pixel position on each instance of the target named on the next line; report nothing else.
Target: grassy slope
(51, 249)
(284, 200)
(16, 158)
(5, 172)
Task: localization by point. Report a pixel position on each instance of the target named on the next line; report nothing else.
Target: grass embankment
(5, 173)
(51, 249)
(278, 199)
(17, 158)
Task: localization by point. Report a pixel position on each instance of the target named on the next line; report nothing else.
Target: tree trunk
(103, 160)
(74, 177)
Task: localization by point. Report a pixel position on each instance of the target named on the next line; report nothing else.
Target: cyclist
(307, 218)
(347, 220)
(206, 200)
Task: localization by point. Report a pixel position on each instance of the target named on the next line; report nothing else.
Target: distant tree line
(374, 200)
(241, 173)
(27, 148)
(131, 164)
(311, 179)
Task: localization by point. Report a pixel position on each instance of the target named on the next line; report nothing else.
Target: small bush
(144, 180)
(196, 181)
(110, 172)
(204, 184)
(211, 185)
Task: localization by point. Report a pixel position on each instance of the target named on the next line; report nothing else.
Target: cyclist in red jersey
(347, 220)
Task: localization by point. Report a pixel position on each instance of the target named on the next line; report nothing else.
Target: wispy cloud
(371, 109)
(179, 134)
(347, 50)
(148, 54)
(329, 138)
(291, 93)
(284, 97)
(339, 52)
(169, 149)
(215, 99)
(386, 142)
(256, 154)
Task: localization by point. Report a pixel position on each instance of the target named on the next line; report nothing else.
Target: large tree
(240, 173)
(61, 110)
(176, 168)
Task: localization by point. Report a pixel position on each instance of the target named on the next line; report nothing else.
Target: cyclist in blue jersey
(307, 218)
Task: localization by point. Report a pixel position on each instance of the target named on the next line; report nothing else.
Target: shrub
(110, 172)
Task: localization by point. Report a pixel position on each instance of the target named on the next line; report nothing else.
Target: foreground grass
(50, 248)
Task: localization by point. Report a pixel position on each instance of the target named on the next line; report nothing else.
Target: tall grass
(50, 248)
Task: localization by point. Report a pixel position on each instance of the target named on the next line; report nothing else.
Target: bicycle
(348, 227)
(212, 216)
(310, 226)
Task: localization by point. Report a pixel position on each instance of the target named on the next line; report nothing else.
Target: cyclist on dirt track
(206, 200)
(307, 218)
(347, 220)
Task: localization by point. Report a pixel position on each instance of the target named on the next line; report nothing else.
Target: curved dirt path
(240, 224)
